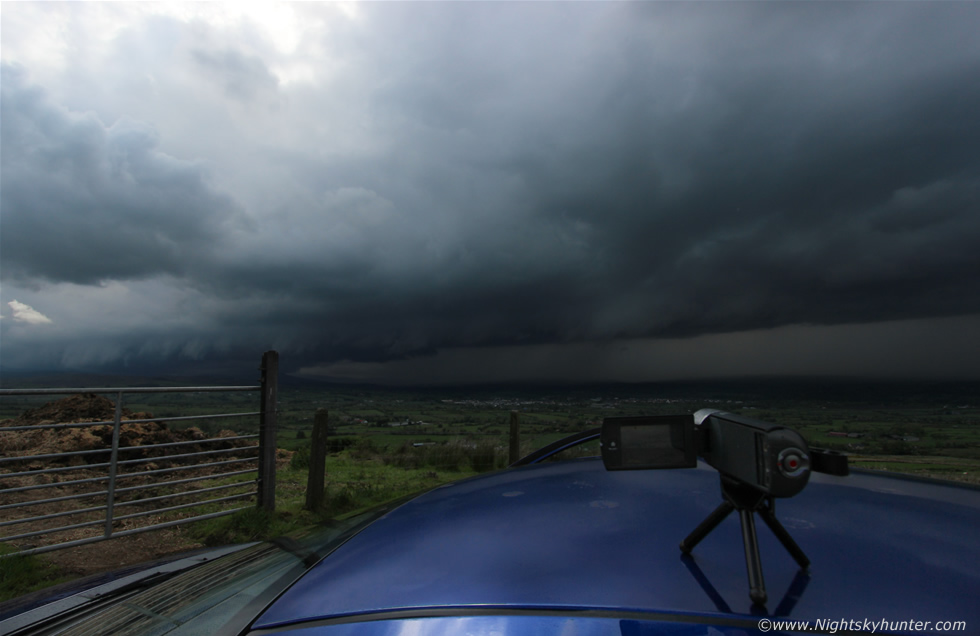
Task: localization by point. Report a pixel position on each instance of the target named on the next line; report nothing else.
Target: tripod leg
(784, 537)
(706, 526)
(753, 562)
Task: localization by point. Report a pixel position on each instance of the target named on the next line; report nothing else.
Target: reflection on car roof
(573, 537)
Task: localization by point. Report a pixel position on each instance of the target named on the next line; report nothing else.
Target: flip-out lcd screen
(632, 443)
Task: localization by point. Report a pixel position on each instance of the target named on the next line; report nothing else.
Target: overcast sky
(465, 192)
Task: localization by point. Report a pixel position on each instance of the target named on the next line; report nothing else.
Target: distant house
(903, 438)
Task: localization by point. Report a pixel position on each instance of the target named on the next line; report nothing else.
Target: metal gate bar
(180, 418)
(156, 471)
(85, 524)
(120, 504)
(126, 533)
(100, 493)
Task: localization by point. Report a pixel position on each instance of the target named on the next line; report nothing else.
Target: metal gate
(227, 460)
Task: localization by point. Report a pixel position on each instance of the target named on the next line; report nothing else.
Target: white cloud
(26, 313)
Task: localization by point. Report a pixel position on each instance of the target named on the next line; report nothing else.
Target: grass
(949, 468)
(253, 524)
(357, 478)
(22, 574)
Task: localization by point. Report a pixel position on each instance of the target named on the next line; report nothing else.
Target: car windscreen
(217, 596)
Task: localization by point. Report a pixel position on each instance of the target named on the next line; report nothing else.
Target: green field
(911, 421)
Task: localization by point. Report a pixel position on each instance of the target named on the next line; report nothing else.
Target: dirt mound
(84, 407)
(89, 407)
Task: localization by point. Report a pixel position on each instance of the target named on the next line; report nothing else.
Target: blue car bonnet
(573, 537)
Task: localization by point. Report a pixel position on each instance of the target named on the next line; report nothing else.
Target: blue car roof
(571, 536)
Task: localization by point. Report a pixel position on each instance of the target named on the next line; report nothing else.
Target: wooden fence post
(267, 431)
(318, 459)
(515, 437)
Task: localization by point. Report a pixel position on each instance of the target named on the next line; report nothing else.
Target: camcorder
(757, 462)
(771, 458)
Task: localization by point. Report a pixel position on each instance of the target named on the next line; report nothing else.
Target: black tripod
(748, 501)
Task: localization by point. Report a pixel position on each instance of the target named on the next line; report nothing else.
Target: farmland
(925, 428)
(386, 443)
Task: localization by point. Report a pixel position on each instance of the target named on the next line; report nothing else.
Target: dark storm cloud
(791, 164)
(480, 174)
(787, 188)
(83, 202)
